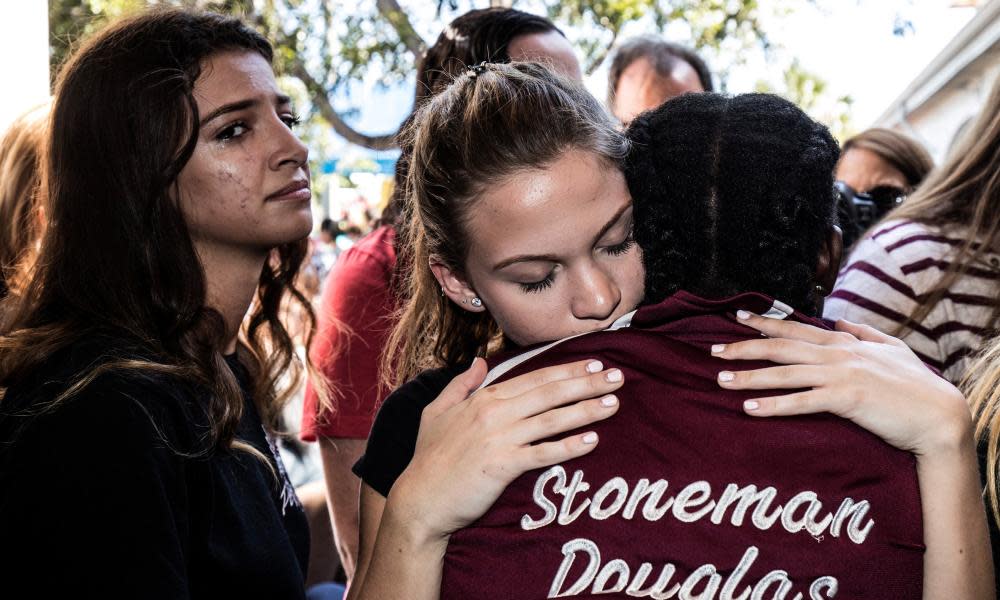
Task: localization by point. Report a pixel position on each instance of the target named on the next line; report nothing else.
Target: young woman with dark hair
(140, 366)
(928, 273)
(359, 298)
(526, 237)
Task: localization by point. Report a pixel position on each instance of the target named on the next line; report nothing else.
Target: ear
(454, 286)
(830, 255)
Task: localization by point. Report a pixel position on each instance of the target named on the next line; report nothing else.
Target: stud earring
(820, 290)
(476, 302)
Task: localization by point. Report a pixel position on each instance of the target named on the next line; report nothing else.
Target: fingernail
(595, 367)
(751, 405)
(726, 375)
(590, 438)
(718, 348)
(609, 400)
(742, 315)
(614, 376)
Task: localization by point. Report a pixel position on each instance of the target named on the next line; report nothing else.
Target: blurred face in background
(865, 170)
(641, 87)
(549, 48)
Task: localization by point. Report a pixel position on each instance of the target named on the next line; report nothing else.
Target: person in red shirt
(705, 211)
(359, 298)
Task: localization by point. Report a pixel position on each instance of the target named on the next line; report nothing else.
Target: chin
(297, 227)
(285, 237)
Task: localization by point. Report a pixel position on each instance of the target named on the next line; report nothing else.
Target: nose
(596, 294)
(287, 147)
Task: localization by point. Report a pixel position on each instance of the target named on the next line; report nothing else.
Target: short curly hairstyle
(732, 194)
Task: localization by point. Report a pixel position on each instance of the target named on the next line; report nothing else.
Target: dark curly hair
(732, 194)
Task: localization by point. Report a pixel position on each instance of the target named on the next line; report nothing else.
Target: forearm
(958, 562)
(406, 562)
(343, 487)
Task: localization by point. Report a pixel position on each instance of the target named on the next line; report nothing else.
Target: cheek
(522, 317)
(633, 278)
(216, 190)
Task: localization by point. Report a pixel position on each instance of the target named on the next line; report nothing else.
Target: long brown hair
(117, 261)
(902, 152)
(962, 196)
(481, 129)
(20, 223)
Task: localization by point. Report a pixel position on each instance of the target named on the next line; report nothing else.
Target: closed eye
(621, 248)
(537, 286)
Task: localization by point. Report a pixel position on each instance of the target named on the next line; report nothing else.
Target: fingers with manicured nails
(558, 393)
(780, 377)
(559, 420)
(459, 388)
(529, 381)
(799, 403)
(779, 350)
(550, 453)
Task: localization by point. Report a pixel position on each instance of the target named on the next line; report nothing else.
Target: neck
(231, 278)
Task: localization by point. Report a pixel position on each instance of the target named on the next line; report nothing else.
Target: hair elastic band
(476, 70)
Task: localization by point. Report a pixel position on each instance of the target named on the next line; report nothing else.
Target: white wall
(936, 122)
(24, 46)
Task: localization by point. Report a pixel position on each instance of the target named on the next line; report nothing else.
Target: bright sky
(850, 43)
(25, 67)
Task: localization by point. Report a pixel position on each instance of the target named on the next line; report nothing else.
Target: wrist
(953, 433)
(412, 521)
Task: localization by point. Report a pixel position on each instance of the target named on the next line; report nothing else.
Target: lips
(297, 190)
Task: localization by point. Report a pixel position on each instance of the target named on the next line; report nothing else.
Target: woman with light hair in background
(928, 273)
(20, 209)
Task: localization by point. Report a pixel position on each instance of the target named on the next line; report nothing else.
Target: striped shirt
(896, 267)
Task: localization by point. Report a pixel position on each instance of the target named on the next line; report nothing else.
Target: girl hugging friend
(522, 235)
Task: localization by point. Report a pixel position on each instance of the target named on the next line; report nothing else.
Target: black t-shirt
(393, 438)
(98, 499)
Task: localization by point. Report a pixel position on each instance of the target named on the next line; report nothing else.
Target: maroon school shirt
(688, 497)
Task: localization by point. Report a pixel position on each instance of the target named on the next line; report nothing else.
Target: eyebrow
(552, 257)
(279, 100)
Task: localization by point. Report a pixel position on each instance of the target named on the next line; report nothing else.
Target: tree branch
(598, 60)
(322, 100)
(393, 13)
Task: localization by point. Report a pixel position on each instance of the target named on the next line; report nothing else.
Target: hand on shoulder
(855, 372)
(472, 444)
